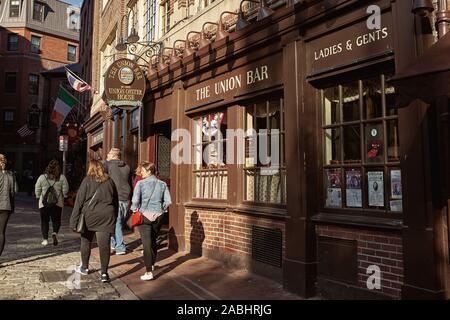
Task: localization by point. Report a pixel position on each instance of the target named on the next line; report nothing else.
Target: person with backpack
(51, 189)
(8, 188)
(96, 204)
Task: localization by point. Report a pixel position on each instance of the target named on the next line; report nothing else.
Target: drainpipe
(443, 17)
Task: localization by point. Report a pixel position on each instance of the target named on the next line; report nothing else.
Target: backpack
(50, 197)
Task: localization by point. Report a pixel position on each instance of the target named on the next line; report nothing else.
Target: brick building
(35, 37)
(353, 191)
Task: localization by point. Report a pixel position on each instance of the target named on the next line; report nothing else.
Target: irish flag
(63, 105)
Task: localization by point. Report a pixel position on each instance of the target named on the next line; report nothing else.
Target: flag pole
(79, 79)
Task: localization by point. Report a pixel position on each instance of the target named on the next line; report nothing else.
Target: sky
(77, 3)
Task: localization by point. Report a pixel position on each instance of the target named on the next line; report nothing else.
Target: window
(72, 53)
(264, 169)
(8, 119)
(210, 172)
(166, 17)
(38, 11)
(13, 42)
(361, 146)
(150, 19)
(10, 82)
(33, 84)
(14, 8)
(35, 44)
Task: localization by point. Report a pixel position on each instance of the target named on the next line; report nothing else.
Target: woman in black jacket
(97, 197)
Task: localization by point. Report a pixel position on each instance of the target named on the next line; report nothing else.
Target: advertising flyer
(396, 206)
(353, 191)
(396, 184)
(334, 191)
(376, 188)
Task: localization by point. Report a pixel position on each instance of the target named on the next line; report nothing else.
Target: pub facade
(343, 205)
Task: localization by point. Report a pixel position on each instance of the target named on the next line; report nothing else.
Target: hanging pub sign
(124, 84)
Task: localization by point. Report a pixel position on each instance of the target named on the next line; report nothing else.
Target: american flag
(24, 131)
(76, 83)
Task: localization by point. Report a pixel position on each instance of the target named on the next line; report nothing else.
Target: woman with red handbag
(151, 198)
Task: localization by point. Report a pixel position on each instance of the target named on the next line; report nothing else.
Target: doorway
(161, 133)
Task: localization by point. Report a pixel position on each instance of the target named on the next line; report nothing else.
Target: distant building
(35, 36)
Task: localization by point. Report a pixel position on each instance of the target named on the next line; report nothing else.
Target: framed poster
(375, 184)
(353, 188)
(334, 188)
(396, 184)
(396, 205)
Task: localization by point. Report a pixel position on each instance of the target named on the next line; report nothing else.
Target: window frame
(41, 12)
(8, 124)
(30, 85)
(9, 43)
(256, 167)
(69, 46)
(33, 46)
(16, 8)
(6, 83)
(386, 166)
(198, 169)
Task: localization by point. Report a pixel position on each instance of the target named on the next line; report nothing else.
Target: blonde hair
(2, 162)
(114, 154)
(149, 166)
(97, 171)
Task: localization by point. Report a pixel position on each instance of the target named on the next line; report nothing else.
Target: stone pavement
(30, 271)
(182, 276)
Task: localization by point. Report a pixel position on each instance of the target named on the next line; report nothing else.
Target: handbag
(137, 218)
(81, 225)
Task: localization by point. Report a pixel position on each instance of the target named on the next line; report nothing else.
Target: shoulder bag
(137, 218)
(81, 225)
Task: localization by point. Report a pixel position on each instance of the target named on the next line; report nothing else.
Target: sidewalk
(181, 276)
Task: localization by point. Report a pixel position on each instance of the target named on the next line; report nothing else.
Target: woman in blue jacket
(151, 197)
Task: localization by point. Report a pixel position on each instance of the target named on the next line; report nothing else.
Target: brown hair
(138, 170)
(2, 162)
(149, 166)
(53, 170)
(96, 171)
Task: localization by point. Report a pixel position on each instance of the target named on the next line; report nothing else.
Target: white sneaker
(147, 276)
(44, 242)
(81, 270)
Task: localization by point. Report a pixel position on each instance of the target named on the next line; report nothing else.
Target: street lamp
(221, 33)
(264, 11)
(189, 50)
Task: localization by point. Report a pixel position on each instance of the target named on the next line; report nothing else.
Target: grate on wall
(267, 246)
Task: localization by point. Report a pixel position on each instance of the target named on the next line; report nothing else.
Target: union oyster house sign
(125, 84)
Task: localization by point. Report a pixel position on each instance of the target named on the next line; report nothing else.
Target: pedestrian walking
(97, 203)
(51, 189)
(138, 175)
(151, 197)
(8, 188)
(120, 173)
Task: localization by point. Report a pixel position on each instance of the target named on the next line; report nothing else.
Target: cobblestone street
(29, 270)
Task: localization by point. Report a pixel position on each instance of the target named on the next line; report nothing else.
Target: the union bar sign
(125, 84)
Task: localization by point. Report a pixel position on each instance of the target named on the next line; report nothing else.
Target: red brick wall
(227, 230)
(383, 249)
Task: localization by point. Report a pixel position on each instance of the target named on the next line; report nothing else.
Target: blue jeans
(117, 239)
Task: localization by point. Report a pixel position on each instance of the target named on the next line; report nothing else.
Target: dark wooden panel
(338, 259)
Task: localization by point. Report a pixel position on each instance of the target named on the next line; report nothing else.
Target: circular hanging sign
(125, 84)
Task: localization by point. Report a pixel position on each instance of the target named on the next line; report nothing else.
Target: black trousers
(4, 217)
(103, 242)
(149, 232)
(47, 214)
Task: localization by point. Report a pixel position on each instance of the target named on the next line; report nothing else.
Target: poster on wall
(375, 184)
(396, 184)
(353, 190)
(334, 191)
(396, 206)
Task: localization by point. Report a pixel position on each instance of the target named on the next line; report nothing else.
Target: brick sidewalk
(181, 276)
(29, 271)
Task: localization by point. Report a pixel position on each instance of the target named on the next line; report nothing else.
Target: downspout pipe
(443, 17)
